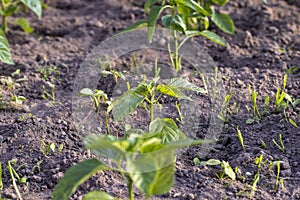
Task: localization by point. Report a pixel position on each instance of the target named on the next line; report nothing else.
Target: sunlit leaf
(24, 24)
(211, 162)
(213, 37)
(224, 22)
(166, 130)
(34, 5)
(194, 5)
(171, 91)
(182, 83)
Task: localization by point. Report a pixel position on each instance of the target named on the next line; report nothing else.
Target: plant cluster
(144, 159)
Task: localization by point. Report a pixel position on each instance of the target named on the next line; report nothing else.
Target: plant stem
(130, 189)
(176, 56)
(152, 107)
(4, 21)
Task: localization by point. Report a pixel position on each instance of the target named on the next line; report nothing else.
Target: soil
(265, 45)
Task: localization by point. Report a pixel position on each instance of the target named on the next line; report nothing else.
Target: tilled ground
(266, 44)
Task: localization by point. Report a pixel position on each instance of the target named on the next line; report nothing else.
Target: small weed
(48, 71)
(263, 144)
(97, 96)
(277, 164)
(240, 137)
(47, 148)
(47, 95)
(14, 176)
(37, 166)
(279, 146)
(226, 171)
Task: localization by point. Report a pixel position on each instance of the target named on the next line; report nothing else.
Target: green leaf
(103, 146)
(171, 91)
(128, 102)
(213, 37)
(24, 24)
(174, 22)
(5, 55)
(293, 122)
(34, 5)
(194, 6)
(211, 162)
(136, 25)
(149, 3)
(157, 181)
(220, 2)
(288, 98)
(96, 195)
(224, 22)
(295, 103)
(86, 92)
(183, 84)
(166, 130)
(152, 20)
(75, 176)
(228, 170)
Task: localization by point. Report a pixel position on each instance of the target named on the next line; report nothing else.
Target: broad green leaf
(86, 92)
(5, 55)
(166, 130)
(149, 3)
(194, 6)
(220, 2)
(103, 146)
(183, 84)
(213, 37)
(211, 162)
(174, 22)
(75, 176)
(158, 180)
(228, 170)
(96, 195)
(34, 5)
(171, 91)
(224, 22)
(136, 25)
(24, 24)
(126, 103)
(152, 20)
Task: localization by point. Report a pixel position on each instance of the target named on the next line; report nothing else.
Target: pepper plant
(146, 161)
(149, 93)
(189, 17)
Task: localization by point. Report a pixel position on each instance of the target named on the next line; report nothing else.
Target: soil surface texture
(265, 46)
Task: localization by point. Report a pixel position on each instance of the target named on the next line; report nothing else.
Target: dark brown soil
(266, 44)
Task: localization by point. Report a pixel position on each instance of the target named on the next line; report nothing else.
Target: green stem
(4, 21)
(152, 108)
(176, 56)
(130, 189)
